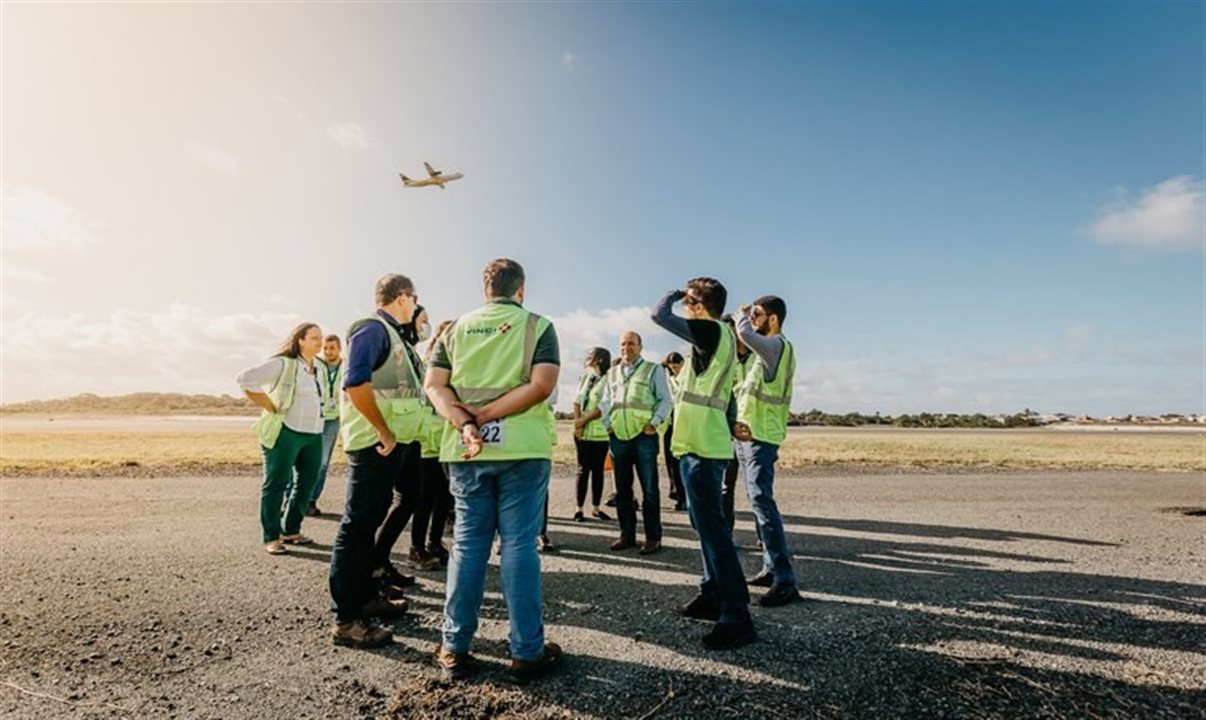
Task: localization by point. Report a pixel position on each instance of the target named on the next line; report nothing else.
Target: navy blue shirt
(368, 349)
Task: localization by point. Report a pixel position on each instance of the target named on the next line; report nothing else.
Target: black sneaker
(762, 579)
(780, 595)
(611, 501)
(701, 608)
(388, 576)
(726, 636)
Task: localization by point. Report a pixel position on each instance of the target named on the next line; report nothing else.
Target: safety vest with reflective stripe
(591, 386)
(632, 399)
(764, 406)
(491, 351)
(397, 387)
(701, 426)
(330, 385)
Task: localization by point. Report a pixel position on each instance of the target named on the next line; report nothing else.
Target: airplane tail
(405, 180)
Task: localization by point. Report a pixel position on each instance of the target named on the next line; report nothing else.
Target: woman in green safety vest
(590, 437)
(289, 391)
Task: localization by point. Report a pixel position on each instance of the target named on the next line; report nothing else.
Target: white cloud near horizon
(350, 135)
(1165, 217)
(213, 157)
(178, 349)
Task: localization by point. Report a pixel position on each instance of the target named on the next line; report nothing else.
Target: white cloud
(177, 349)
(1168, 216)
(35, 220)
(213, 157)
(350, 135)
(21, 273)
(1078, 336)
(581, 330)
(569, 62)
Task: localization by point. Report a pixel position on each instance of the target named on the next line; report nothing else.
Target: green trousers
(293, 451)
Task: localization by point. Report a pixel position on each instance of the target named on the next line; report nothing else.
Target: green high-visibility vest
(594, 429)
(491, 351)
(701, 427)
(397, 387)
(762, 405)
(268, 426)
(431, 432)
(632, 399)
(330, 383)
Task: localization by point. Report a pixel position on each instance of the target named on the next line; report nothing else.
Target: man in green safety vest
(490, 378)
(331, 372)
(763, 402)
(704, 417)
(381, 415)
(636, 401)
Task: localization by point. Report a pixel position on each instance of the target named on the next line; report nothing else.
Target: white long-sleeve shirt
(305, 415)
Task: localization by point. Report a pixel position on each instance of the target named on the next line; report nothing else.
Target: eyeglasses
(412, 296)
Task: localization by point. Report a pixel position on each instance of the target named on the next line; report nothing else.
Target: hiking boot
(440, 552)
(388, 576)
(623, 544)
(454, 666)
(780, 595)
(361, 634)
(420, 560)
(383, 607)
(701, 608)
(726, 636)
(525, 671)
(650, 547)
(763, 579)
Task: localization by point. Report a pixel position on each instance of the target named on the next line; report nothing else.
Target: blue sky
(968, 207)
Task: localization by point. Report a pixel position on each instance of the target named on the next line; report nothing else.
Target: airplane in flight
(434, 177)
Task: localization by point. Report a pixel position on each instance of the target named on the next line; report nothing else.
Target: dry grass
(232, 448)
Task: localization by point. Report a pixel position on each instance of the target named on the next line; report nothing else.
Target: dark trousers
(639, 453)
(592, 454)
(406, 485)
(723, 579)
(730, 487)
(434, 503)
(676, 477)
(370, 480)
(293, 452)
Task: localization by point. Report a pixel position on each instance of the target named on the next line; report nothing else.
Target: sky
(968, 207)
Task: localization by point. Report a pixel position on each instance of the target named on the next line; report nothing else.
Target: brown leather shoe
(361, 634)
(524, 671)
(380, 606)
(454, 666)
(650, 547)
(623, 544)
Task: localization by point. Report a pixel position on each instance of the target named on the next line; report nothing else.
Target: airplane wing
(430, 170)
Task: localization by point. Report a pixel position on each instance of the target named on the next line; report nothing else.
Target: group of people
(466, 433)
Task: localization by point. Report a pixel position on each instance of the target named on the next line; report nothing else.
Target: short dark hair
(711, 293)
(674, 357)
(391, 287)
(502, 278)
(333, 338)
(773, 305)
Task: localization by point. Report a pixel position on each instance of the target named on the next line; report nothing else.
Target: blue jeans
(758, 464)
(723, 578)
(639, 452)
(330, 431)
(507, 497)
(370, 485)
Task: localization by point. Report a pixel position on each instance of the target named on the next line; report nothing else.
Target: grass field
(147, 445)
